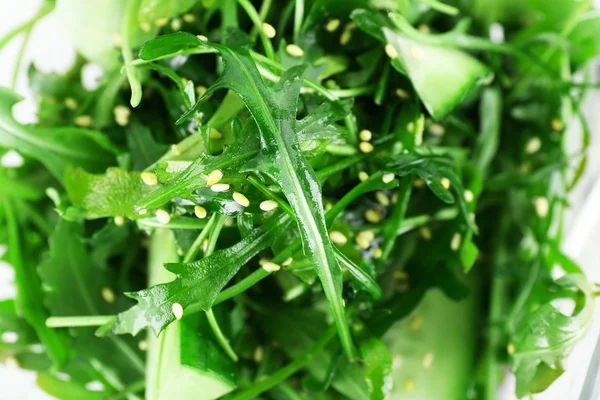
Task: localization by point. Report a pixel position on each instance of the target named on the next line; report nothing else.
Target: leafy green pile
(319, 199)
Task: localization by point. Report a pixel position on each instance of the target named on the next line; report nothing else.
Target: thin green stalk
(197, 245)
(255, 18)
(269, 194)
(45, 9)
(298, 18)
(282, 374)
(353, 92)
(130, 21)
(441, 7)
(133, 388)
(395, 221)
(88, 320)
(523, 296)
(19, 60)
(382, 85)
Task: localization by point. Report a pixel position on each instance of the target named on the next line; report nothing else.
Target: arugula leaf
(57, 147)
(152, 10)
(378, 368)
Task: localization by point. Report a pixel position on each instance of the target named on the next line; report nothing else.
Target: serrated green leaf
(378, 368)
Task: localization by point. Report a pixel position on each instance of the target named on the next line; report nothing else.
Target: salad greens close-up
(309, 199)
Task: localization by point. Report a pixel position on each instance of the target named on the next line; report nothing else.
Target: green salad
(309, 199)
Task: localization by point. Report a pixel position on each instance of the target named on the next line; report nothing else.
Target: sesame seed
(391, 51)
(511, 348)
(419, 183)
(10, 337)
(468, 196)
(202, 38)
(70, 103)
(415, 323)
(163, 216)
(288, 261)
(119, 220)
(149, 178)
(416, 52)
(557, 125)
(424, 28)
(270, 266)
(396, 361)
(365, 135)
(177, 310)
(372, 216)
(409, 385)
(122, 114)
(241, 199)
(229, 222)
(542, 206)
(189, 18)
(436, 129)
(363, 176)
(400, 275)
(345, 37)
(108, 295)
(204, 245)
(425, 232)
(200, 212)
(146, 27)
(445, 183)
(395, 198)
(268, 30)
(533, 145)
(364, 239)
(95, 386)
(332, 25)
(143, 211)
(294, 50)
(456, 241)
(176, 150)
(200, 90)
(160, 22)
(387, 178)
(365, 147)
(382, 198)
(403, 94)
(83, 121)
(338, 237)
(220, 187)
(268, 205)
(258, 354)
(176, 24)
(214, 177)
(377, 253)
(143, 345)
(428, 360)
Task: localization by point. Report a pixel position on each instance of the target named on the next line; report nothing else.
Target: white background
(51, 51)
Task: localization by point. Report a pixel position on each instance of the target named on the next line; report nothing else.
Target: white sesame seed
(533, 145)
(338, 237)
(364, 239)
(202, 38)
(345, 37)
(365, 135)
(425, 233)
(511, 349)
(410, 126)
(70, 103)
(83, 121)
(119, 220)
(220, 187)
(177, 310)
(200, 212)
(436, 129)
(377, 253)
(288, 261)
(403, 94)
(409, 385)
(456, 241)
(372, 216)
(270, 266)
(122, 114)
(176, 24)
(143, 211)
(382, 198)
(229, 222)
(363, 176)
(415, 323)
(387, 178)
(160, 22)
(10, 337)
(214, 177)
(258, 354)
(365, 147)
(146, 27)
(332, 25)
(428, 360)
(268, 30)
(468, 196)
(189, 18)
(396, 361)
(542, 206)
(268, 205)
(149, 178)
(391, 51)
(143, 345)
(241, 199)
(204, 245)
(416, 52)
(419, 183)
(163, 216)
(445, 183)
(200, 90)
(176, 150)
(108, 295)
(95, 386)
(557, 125)
(294, 50)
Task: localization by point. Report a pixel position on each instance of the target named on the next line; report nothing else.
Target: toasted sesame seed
(241, 199)
(268, 205)
(163, 216)
(511, 348)
(294, 50)
(542, 206)
(445, 183)
(365, 135)
(436, 129)
(391, 51)
(338, 237)
(533, 145)
(119, 220)
(268, 30)
(270, 266)
(149, 178)
(189, 18)
(214, 177)
(382, 198)
(146, 27)
(468, 196)
(363, 176)
(160, 22)
(83, 121)
(200, 212)
(377, 253)
(387, 178)
(177, 310)
(416, 52)
(409, 385)
(258, 354)
(143, 345)
(364, 239)
(372, 216)
(456, 241)
(415, 323)
(122, 114)
(108, 295)
(425, 232)
(557, 125)
(365, 147)
(332, 25)
(70, 103)
(143, 211)
(202, 38)
(176, 24)
(288, 261)
(427, 360)
(220, 187)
